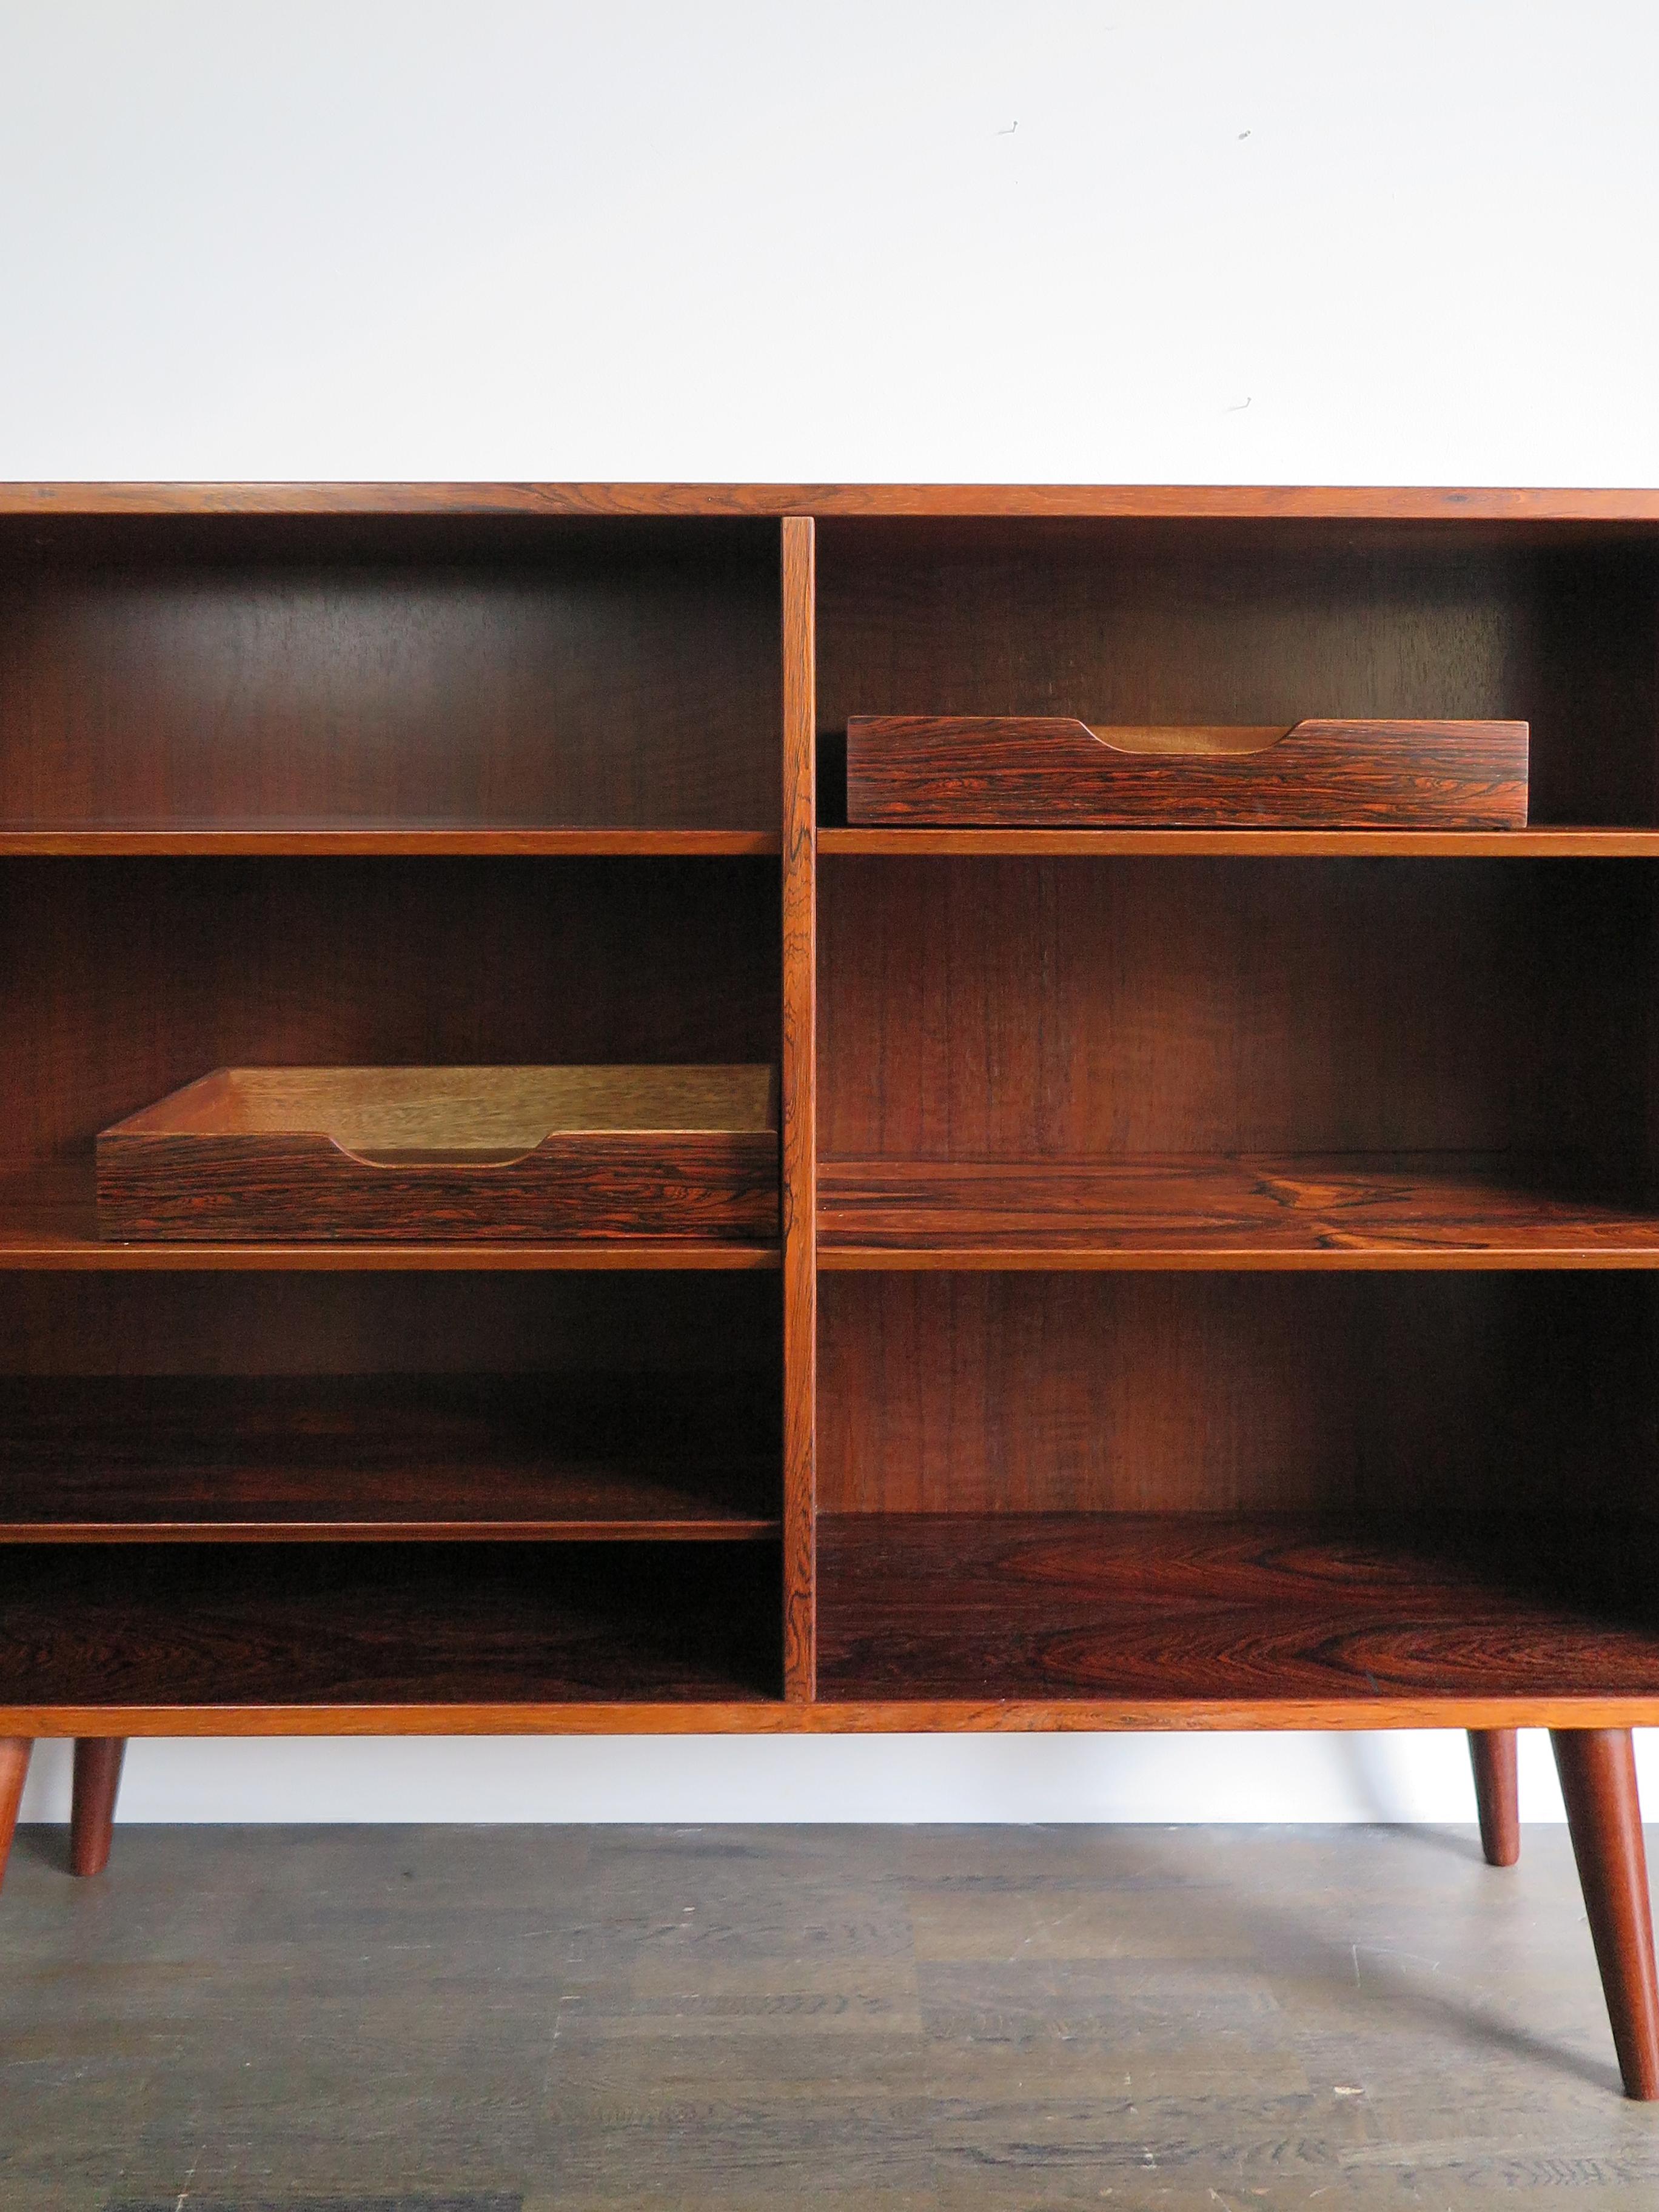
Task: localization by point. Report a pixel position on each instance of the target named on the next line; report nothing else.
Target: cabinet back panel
(1074, 1393)
(165, 673)
(1257, 622)
(985, 1009)
(122, 980)
(609, 1323)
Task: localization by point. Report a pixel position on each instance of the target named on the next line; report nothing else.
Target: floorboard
(510, 2018)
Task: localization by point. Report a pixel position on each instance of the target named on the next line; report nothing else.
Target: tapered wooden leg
(1498, 1794)
(1597, 1768)
(92, 1818)
(14, 1768)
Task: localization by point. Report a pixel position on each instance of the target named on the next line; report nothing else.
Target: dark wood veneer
(1043, 771)
(98, 1763)
(1244, 1210)
(466, 673)
(1216, 1606)
(368, 1458)
(49, 1220)
(1493, 1756)
(1241, 1292)
(487, 1155)
(233, 1626)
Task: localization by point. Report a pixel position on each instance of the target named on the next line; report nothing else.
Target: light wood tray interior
(481, 1114)
(1189, 741)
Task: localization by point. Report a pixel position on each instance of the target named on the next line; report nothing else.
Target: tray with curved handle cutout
(1011, 771)
(410, 1154)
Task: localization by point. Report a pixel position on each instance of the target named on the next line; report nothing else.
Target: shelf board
(49, 1220)
(339, 839)
(1539, 844)
(1348, 1210)
(1245, 1608)
(397, 1626)
(140, 1459)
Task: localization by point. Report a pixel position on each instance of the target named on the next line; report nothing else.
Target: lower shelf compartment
(137, 1458)
(387, 1625)
(1251, 1608)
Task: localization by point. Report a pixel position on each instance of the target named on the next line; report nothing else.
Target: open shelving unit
(1219, 1277)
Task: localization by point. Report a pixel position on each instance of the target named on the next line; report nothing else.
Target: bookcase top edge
(1338, 503)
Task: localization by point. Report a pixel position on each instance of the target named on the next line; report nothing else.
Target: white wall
(1160, 240)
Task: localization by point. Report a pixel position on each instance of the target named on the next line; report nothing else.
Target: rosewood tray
(409, 1154)
(1031, 772)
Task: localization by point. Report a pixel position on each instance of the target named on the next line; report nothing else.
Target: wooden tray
(448, 1153)
(1029, 772)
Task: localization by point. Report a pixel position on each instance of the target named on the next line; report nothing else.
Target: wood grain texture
(15, 1753)
(520, 721)
(49, 1222)
(1366, 1394)
(461, 675)
(326, 841)
(1218, 1606)
(98, 1763)
(1597, 1768)
(1497, 1794)
(1147, 622)
(1243, 1210)
(800, 1096)
(1340, 502)
(677, 1332)
(940, 2019)
(468, 1623)
(489, 1116)
(418, 1716)
(1032, 1011)
(565, 1154)
(1034, 772)
(239, 1458)
(122, 980)
(1547, 844)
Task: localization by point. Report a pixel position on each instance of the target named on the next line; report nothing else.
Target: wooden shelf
(1544, 843)
(342, 841)
(1248, 1609)
(426, 1458)
(233, 1625)
(1423, 1210)
(48, 1219)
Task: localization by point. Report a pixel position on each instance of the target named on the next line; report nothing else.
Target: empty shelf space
(1419, 1209)
(346, 840)
(1544, 843)
(1217, 1608)
(402, 1625)
(49, 1219)
(244, 1458)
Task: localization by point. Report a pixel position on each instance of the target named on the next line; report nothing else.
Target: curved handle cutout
(1190, 742)
(483, 1156)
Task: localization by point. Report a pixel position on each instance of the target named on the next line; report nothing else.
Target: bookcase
(1217, 1279)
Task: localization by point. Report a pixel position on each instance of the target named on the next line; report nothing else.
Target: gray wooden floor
(485, 2020)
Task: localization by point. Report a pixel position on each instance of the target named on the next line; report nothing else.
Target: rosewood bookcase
(1216, 1283)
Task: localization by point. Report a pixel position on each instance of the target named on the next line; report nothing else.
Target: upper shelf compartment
(342, 684)
(1196, 624)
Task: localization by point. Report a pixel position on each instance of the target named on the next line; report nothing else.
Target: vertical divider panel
(800, 1086)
